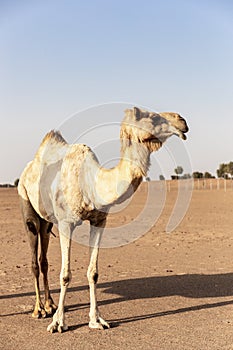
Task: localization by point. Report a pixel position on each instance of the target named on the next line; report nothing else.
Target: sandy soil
(164, 291)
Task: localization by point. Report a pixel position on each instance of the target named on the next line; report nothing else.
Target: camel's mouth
(182, 129)
(181, 134)
(177, 123)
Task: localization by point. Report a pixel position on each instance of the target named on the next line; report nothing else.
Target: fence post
(169, 186)
(204, 183)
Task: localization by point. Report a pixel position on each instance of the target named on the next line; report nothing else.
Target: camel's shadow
(188, 285)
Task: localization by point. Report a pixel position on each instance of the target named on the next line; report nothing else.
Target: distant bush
(6, 185)
(207, 175)
(198, 175)
(186, 176)
(16, 182)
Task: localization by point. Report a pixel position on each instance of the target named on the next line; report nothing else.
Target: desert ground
(162, 291)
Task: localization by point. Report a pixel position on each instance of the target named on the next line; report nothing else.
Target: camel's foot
(54, 326)
(99, 323)
(50, 307)
(58, 323)
(39, 311)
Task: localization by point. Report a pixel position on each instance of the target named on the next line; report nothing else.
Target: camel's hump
(54, 135)
(54, 148)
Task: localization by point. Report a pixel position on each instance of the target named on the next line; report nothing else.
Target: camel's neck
(135, 157)
(117, 184)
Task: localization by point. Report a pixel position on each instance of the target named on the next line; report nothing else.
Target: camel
(65, 184)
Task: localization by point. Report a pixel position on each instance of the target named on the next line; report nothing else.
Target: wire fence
(201, 184)
(213, 184)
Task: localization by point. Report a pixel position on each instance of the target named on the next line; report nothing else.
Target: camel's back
(56, 165)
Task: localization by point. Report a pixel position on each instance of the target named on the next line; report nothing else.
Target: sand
(163, 291)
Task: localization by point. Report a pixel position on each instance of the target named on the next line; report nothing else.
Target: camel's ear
(133, 114)
(137, 113)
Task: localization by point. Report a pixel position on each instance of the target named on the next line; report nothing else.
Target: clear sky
(60, 57)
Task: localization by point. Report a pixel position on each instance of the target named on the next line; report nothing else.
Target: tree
(179, 170)
(207, 175)
(230, 169)
(197, 175)
(147, 178)
(221, 170)
(225, 170)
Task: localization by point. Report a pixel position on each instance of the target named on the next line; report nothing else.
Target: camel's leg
(33, 239)
(45, 228)
(96, 321)
(65, 231)
(32, 223)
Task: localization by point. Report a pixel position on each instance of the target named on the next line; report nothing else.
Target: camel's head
(152, 129)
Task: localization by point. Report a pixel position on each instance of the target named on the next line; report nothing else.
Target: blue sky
(60, 57)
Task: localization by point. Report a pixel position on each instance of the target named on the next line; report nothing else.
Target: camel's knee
(92, 276)
(35, 269)
(44, 264)
(31, 218)
(95, 277)
(65, 278)
(32, 226)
